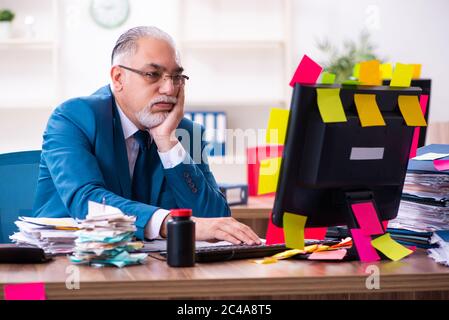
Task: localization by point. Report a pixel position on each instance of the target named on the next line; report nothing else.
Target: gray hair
(127, 42)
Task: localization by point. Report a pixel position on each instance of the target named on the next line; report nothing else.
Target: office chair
(18, 180)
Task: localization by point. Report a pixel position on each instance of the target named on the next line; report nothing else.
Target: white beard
(150, 119)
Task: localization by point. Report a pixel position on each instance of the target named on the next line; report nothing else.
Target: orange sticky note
(294, 230)
(389, 247)
(269, 175)
(370, 73)
(386, 70)
(277, 126)
(416, 71)
(329, 105)
(24, 291)
(368, 110)
(402, 75)
(411, 111)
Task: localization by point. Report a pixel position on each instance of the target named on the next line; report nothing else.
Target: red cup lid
(181, 212)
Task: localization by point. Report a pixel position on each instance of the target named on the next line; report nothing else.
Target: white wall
(408, 31)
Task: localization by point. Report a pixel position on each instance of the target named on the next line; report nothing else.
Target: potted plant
(6, 18)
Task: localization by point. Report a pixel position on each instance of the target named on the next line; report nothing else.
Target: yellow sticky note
(392, 249)
(402, 75)
(327, 78)
(411, 111)
(386, 70)
(356, 71)
(277, 126)
(416, 71)
(266, 260)
(370, 73)
(329, 105)
(294, 230)
(269, 175)
(368, 110)
(288, 253)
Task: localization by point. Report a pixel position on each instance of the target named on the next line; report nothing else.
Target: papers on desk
(441, 253)
(51, 235)
(106, 237)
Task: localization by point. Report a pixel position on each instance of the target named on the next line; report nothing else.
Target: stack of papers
(441, 253)
(53, 235)
(106, 237)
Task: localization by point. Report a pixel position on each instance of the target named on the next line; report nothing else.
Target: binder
(214, 124)
(234, 193)
(419, 166)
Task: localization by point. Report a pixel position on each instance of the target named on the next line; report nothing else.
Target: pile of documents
(53, 235)
(106, 237)
(441, 253)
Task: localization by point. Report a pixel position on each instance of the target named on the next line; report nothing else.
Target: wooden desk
(415, 277)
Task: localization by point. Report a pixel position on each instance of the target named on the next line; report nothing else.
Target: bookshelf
(244, 46)
(35, 56)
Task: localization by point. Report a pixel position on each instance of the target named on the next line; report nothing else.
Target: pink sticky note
(367, 218)
(315, 233)
(307, 72)
(328, 255)
(423, 102)
(385, 224)
(441, 165)
(363, 245)
(24, 291)
(274, 234)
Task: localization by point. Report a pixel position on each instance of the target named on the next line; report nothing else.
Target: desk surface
(256, 208)
(415, 275)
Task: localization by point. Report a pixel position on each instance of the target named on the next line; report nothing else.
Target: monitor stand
(351, 198)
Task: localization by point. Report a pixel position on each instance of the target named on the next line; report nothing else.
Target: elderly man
(120, 145)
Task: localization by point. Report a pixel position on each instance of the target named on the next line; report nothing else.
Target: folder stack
(214, 124)
(105, 238)
(53, 235)
(424, 208)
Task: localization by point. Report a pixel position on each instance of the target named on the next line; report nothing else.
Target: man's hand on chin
(164, 134)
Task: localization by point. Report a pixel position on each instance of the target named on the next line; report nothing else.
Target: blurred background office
(240, 54)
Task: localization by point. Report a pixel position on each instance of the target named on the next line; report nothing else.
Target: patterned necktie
(141, 183)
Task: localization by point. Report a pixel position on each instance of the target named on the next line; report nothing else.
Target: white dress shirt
(169, 159)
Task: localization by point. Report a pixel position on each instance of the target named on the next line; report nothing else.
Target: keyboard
(242, 251)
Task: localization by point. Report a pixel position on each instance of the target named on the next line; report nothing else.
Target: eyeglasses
(155, 76)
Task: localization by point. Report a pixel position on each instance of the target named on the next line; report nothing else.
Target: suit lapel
(120, 153)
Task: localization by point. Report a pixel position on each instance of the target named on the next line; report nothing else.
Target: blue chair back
(18, 180)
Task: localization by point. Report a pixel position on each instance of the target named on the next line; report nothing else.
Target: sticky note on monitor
(269, 175)
(277, 126)
(386, 70)
(402, 75)
(329, 105)
(274, 233)
(307, 72)
(416, 71)
(369, 73)
(363, 245)
(24, 291)
(411, 111)
(389, 247)
(367, 218)
(294, 230)
(356, 71)
(327, 78)
(368, 110)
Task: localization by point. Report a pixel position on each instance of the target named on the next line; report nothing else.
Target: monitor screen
(324, 162)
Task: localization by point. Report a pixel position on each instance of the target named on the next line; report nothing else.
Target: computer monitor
(327, 166)
(426, 86)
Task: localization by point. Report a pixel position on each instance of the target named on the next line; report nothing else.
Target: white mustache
(163, 99)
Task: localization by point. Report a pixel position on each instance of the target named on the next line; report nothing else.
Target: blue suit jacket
(84, 158)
